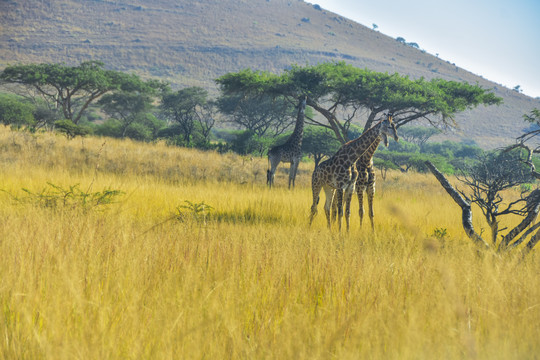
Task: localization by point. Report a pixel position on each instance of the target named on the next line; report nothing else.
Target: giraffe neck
(366, 156)
(298, 131)
(364, 146)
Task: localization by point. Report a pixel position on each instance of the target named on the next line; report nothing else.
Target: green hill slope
(192, 43)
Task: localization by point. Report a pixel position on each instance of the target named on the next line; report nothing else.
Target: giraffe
(339, 174)
(366, 182)
(290, 151)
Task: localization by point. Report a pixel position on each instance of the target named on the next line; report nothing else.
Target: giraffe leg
(360, 188)
(274, 162)
(292, 171)
(334, 209)
(360, 194)
(348, 198)
(316, 189)
(370, 194)
(328, 204)
(339, 200)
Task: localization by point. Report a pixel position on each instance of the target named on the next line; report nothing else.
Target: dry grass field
(149, 272)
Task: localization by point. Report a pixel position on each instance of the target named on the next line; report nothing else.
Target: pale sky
(497, 39)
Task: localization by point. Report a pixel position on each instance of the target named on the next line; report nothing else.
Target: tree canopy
(185, 107)
(318, 143)
(126, 107)
(334, 88)
(72, 89)
(15, 112)
(262, 115)
(418, 134)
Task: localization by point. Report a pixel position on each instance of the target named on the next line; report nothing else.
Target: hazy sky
(497, 39)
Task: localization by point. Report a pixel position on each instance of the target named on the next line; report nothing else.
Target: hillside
(192, 43)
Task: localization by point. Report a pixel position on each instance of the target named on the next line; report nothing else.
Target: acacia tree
(71, 89)
(257, 114)
(185, 107)
(334, 88)
(418, 134)
(486, 181)
(207, 119)
(127, 107)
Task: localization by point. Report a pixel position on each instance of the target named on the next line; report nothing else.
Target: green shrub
(15, 112)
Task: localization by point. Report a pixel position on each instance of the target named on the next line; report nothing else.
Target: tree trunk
(533, 208)
(466, 212)
(334, 124)
(494, 226)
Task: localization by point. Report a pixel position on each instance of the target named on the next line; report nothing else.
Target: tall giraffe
(339, 173)
(366, 182)
(290, 151)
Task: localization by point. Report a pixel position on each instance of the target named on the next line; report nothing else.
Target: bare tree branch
(465, 205)
(532, 209)
(531, 244)
(530, 153)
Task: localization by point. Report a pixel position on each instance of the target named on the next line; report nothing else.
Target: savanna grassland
(108, 251)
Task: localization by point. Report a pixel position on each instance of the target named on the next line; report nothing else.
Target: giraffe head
(388, 128)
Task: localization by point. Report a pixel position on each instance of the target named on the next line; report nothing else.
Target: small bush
(55, 196)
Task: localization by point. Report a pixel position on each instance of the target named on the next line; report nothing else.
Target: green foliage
(260, 102)
(417, 134)
(448, 156)
(401, 146)
(74, 88)
(196, 211)
(247, 142)
(111, 128)
(533, 117)
(138, 131)
(451, 149)
(72, 130)
(44, 117)
(262, 114)
(498, 171)
(55, 196)
(16, 112)
(440, 233)
(184, 107)
(332, 85)
(439, 161)
(354, 131)
(129, 108)
(144, 127)
(152, 124)
(319, 142)
(384, 166)
(406, 161)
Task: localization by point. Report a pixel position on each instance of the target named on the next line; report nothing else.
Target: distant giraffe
(290, 151)
(339, 173)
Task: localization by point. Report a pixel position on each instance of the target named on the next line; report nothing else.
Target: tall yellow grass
(146, 278)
